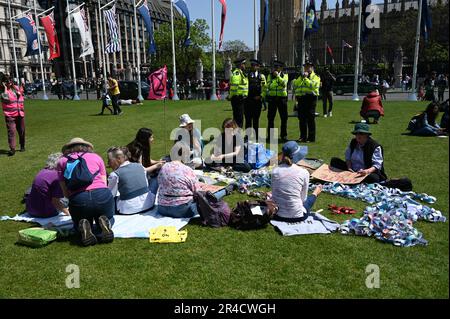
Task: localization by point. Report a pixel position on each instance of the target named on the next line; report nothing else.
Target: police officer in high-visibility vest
(277, 96)
(12, 104)
(306, 88)
(256, 94)
(238, 91)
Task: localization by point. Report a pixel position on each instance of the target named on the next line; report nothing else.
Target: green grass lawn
(224, 263)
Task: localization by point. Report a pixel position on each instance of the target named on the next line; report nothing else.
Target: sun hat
(75, 141)
(361, 128)
(294, 151)
(185, 120)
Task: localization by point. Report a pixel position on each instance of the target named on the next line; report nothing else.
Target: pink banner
(48, 22)
(158, 84)
(224, 17)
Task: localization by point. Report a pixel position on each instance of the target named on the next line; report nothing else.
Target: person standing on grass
(91, 203)
(327, 92)
(238, 91)
(306, 88)
(256, 94)
(290, 184)
(114, 93)
(277, 96)
(13, 109)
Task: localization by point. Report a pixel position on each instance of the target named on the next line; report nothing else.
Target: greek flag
(113, 43)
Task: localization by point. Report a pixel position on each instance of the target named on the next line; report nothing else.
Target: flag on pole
(346, 45)
(183, 7)
(29, 26)
(145, 13)
(48, 22)
(158, 84)
(81, 21)
(330, 52)
(266, 20)
(425, 20)
(224, 17)
(312, 24)
(365, 31)
(113, 43)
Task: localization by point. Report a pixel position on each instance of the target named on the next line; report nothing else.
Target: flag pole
(213, 90)
(174, 82)
(358, 44)
(303, 36)
(413, 96)
(325, 52)
(138, 51)
(75, 91)
(254, 30)
(103, 46)
(343, 47)
(44, 97)
(13, 43)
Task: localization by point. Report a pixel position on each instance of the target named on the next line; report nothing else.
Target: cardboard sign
(331, 174)
(209, 188)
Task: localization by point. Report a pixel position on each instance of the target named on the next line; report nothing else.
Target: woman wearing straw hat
(89, 203)
(364, 156)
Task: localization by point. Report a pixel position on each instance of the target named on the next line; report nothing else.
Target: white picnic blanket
(318, 225)
(125, 226)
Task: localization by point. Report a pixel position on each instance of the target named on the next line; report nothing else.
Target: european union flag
(312, 24)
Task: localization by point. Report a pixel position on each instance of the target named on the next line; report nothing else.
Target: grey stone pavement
(394, 95)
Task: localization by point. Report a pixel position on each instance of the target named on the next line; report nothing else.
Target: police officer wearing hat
(276, 93)
(306, 88)
(238, 91)
(256, 94)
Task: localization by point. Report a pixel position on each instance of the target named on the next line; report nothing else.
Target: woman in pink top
(90, 203)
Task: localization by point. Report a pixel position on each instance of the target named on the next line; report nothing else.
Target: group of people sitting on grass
(137, 180)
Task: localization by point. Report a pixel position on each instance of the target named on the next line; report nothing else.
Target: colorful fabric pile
(391, 218)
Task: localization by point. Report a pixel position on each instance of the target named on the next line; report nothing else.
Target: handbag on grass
(252, 214)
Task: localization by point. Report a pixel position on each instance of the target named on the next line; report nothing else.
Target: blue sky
(239, 24)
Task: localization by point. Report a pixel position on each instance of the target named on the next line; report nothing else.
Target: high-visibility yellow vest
(310, 85)
(238, 84)
(277, 86)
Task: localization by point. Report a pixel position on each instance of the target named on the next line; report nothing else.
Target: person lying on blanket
(128, 183)
(364, 156)
(290, 185)
(46, 198)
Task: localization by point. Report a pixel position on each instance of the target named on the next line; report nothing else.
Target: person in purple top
(46, 196)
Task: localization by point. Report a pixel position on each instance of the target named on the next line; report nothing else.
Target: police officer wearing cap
(306, 88)
(276, 93)
(238, 91)
(256, 94)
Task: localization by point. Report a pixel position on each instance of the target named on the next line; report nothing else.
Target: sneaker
(120, 113)
(87, 237)
(107, 235)
(325, 115)
(330, 114)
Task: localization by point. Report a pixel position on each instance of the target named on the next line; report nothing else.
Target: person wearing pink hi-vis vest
(13, 109)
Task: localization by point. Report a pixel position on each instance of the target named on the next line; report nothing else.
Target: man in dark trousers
(114, 93)
(276, 92)
(306, 88)
(238, 91)
(253, 105)
(327, 92)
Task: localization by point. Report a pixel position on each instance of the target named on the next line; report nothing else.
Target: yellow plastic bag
(167, 234)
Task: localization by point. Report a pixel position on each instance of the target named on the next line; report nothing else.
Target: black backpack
(213, 212)
(77, 174)
(243, 218)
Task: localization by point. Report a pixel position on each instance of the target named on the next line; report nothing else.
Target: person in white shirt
(128, 183)
(290, 184)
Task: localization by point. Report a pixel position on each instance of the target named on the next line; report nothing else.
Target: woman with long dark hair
(425, 123)
(140, 152)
